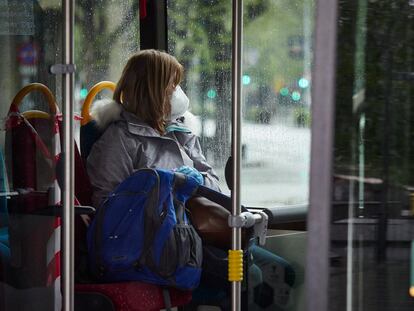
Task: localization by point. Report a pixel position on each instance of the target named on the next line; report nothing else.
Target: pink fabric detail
(136, 296)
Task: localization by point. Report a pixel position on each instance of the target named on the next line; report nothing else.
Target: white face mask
(179, 103)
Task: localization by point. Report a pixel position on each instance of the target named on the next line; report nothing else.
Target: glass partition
(31, 40)
(199, 35)
(372, 213)
(276, 80)
(106, 35)
(276, 137)
(30, 249)
(276, 90)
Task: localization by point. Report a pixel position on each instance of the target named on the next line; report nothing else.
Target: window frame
(322, 133)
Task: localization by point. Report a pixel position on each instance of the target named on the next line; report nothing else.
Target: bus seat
(89, 133)
(33, 165)
(131, 296)
(30, 161)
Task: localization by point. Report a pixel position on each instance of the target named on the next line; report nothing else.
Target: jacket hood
(105, 111)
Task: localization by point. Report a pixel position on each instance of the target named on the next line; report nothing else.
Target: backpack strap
(150, 230)
(180, 181)
(184, 187)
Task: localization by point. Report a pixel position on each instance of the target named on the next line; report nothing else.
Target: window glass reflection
(276, 83)
(30, 41)
(373, 171)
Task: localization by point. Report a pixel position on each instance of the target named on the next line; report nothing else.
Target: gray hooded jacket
(129, 144)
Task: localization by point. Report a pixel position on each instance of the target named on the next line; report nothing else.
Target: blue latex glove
(192, 172)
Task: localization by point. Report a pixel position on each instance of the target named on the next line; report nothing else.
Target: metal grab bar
(286, 214)
(277, 215)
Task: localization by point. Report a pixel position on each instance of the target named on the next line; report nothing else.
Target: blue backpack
(141, 232)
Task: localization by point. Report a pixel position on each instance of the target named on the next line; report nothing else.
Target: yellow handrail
(86, 116)
(17, 100)
(35, 114)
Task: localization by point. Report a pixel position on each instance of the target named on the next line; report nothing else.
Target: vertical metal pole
(323, 104)
(68, 157)
(237, 17)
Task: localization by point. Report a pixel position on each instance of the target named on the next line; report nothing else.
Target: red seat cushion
(136, 296)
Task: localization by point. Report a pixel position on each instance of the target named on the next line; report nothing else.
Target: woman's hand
(192, 172)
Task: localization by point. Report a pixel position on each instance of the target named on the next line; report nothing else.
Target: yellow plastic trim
(17, 100)
(86, 116)
(235, 265)
(30, 114)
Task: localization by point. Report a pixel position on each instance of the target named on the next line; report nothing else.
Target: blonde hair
(146, 85)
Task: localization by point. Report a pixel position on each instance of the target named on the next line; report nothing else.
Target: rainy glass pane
(372, 212)
(106, 35)
(199, 35)
(276, 81)
(276, 107)
(30, 41)
(276, 91)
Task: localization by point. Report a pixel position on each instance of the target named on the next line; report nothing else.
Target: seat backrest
(89, 132)
(32, 146)
(30, 139)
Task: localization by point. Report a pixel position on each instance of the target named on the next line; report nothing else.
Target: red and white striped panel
(53, 260)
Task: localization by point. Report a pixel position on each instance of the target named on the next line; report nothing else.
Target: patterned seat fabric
(135, 296)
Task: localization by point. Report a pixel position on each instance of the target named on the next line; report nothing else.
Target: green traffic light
(83, 93)
(284, 91)
(246, 79)
(295, 96)
(211, 93)
(303, 83)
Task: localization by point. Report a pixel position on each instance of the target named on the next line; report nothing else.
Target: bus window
(276, 83)
(106, 34)
(201, 41)
(276, 102)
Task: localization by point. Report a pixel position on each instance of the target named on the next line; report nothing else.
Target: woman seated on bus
(143, 127)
